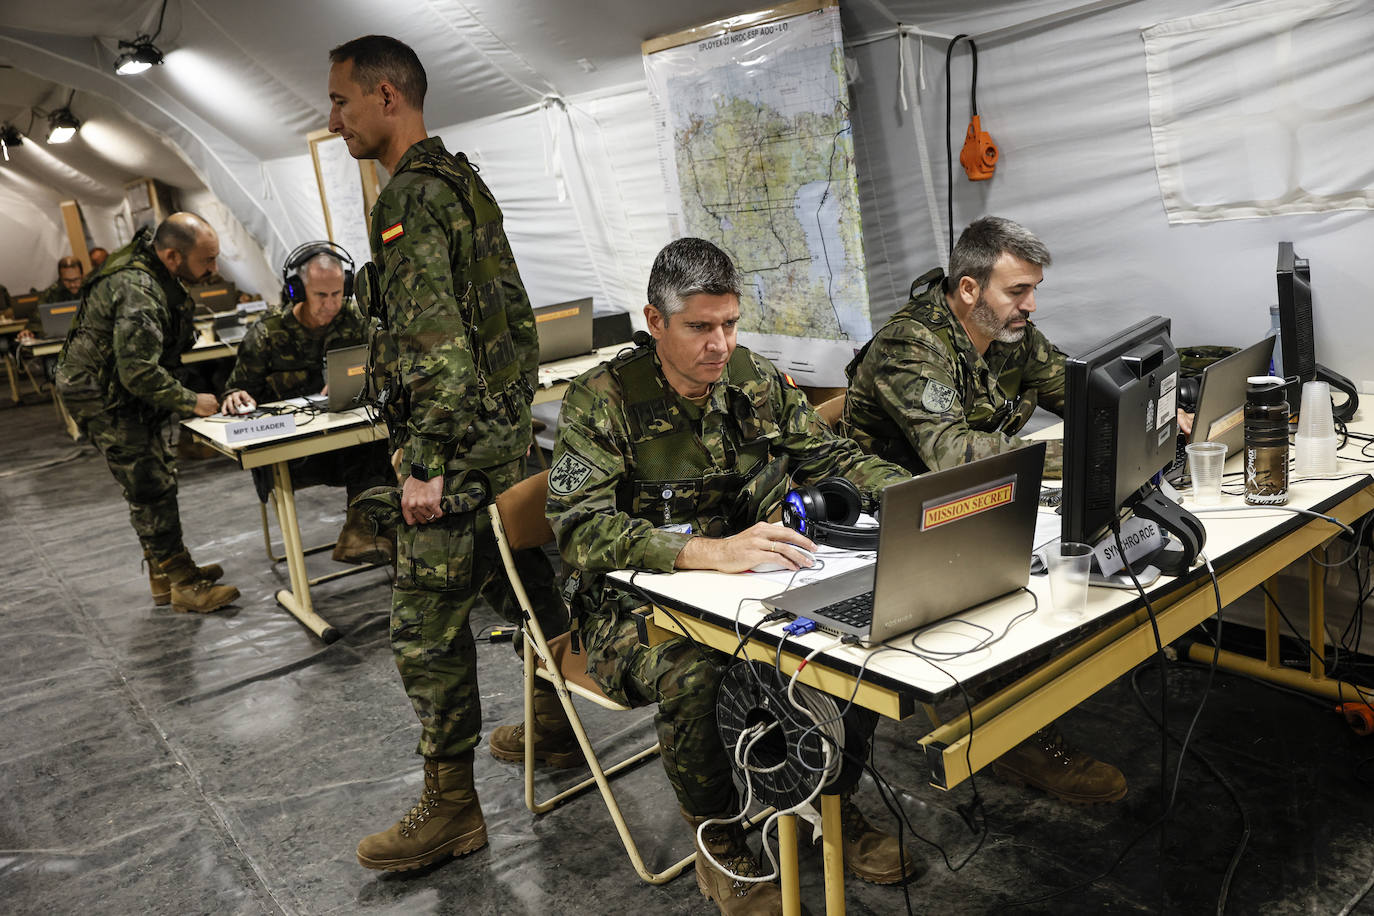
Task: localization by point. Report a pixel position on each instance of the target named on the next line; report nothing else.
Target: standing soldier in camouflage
(454, 361)
(950, 379)
(282, 356)
(115, 376)
(671, 457)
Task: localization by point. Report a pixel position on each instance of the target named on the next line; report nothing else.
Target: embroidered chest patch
(568, 474)
(937, 398)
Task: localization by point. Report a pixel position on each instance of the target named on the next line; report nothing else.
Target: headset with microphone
(826, 513)
(293, 284)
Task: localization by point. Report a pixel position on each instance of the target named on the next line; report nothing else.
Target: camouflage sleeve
(54, 293)
(816, 452)
(520, 316)
(421, 295)
(590, 461)
(918, 389)
(250, 365)
(1044, 371)
(141, 321)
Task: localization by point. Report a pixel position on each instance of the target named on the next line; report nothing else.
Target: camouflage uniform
(55, 293)
(922, 396)
(453, 363)
(637, 472)
(281, 358)
(115, 376)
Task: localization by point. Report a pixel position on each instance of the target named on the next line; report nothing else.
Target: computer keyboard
(856, 611)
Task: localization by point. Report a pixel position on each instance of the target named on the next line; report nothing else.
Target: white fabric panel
(1263, 109)
(291, 182)
(240, 257)
(31, 226)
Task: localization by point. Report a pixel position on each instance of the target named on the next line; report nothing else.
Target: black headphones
(826, 513)
(292, 283)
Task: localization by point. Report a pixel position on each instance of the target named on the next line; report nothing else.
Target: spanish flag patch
(789, 380)
(393, 233)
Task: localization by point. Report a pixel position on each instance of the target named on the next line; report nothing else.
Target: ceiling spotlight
(141, 55)
(62, 125)
(10, 136)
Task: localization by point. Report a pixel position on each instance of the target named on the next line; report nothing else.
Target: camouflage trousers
(683, 679)
(441, 570)
(142, 464)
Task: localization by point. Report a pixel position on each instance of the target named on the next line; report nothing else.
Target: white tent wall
(1067, 104)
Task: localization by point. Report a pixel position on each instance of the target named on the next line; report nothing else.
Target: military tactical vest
(86, 367)
(675, 480)
(1009, 408)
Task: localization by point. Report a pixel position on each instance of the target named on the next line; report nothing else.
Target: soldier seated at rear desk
(282, 356)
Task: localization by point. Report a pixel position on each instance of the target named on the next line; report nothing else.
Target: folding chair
(518, 521)
(831, 410)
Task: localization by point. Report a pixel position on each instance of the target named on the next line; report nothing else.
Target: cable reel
(783, 749)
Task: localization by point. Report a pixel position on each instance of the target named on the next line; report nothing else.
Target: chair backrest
(522, 512)
(831, 410)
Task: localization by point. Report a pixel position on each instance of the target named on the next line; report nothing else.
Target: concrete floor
(154, 762)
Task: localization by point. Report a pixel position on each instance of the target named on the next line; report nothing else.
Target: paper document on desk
(830, 561)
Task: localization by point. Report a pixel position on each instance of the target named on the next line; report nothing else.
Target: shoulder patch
(569, 473)
(392, 233)
(937, 398)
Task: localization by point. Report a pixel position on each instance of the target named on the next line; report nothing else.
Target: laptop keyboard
(856, 611)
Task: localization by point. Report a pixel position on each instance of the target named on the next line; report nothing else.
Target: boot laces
(1053, 744)
(419, 813)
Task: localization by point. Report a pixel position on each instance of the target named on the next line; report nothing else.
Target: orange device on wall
(979, 155)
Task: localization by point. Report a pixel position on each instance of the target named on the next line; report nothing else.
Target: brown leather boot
(162, 587)
(871, 854)
(446, 821)
(554, 742)
(726, 844)
(361, 542)
(1046, 762)
(192, 591)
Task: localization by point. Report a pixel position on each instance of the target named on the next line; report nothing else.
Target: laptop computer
(217, 297)
(1220, 412)
(564, 329)
(25, 306)
(230, 328)
(57, 317)
(948, 540)
(345, 371)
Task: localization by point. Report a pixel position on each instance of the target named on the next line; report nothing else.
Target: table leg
(1271, 624)
(832, 839)
(789, 872)
(297, 598)
(13, 375)
(1316, 617)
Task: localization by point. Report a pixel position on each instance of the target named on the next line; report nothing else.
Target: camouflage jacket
(56, 293)
(729, 467)
(922, 396)
(445, 273)
(128, 336)
(281, 358)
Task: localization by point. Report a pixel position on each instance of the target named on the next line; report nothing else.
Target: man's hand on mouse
(237, 402)
(762, 543)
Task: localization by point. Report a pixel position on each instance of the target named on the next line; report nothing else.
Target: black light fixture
(62, 124)
(140, 54)
(9, 136)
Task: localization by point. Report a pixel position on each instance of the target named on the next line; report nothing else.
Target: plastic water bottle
(1275, 361)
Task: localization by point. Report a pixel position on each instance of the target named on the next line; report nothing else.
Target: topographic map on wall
(757, 152)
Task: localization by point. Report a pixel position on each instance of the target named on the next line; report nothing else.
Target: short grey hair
(322, 261)
(984, 241)
(687, 267)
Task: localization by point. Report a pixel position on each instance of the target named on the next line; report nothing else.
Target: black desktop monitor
(1297, 340)
(1119, 425)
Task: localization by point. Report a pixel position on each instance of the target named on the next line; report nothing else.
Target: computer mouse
(772, 566)
(244, 409)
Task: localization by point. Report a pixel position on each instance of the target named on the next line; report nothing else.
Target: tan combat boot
(162, 587)
(734, 897)
(554, 741)
(446, 821)
(192, 591)
(360, 541)
(1046, 762)
(872, 855)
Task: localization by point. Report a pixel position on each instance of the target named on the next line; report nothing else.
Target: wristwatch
(420, 472)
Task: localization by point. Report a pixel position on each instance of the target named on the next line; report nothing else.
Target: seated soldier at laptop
(952, 377)
(282, 356)
(671, 457)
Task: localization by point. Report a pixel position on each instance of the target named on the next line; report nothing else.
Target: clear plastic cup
(1205, 463)
(1315, 443)
(1068, 564)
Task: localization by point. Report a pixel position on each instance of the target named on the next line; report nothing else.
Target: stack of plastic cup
(1315, 441)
